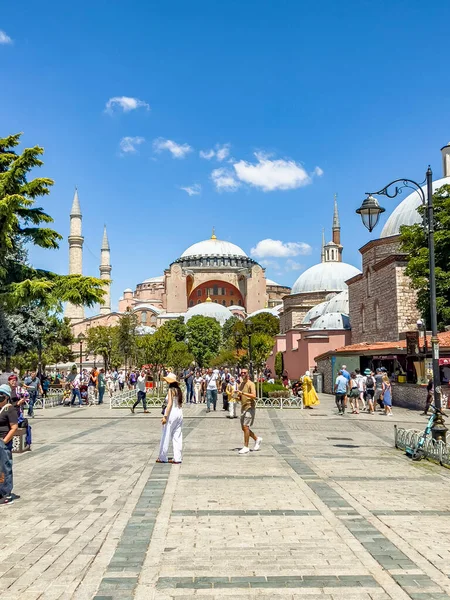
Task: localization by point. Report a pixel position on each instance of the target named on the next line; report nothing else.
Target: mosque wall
(256, 290)
(176, 296)
(382, 304)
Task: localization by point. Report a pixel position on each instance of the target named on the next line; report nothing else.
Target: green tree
(24, 224)
(279, 367)
(177, 327)
(228, 331)
(265, 323)
(415, 244)
(104, 341)
(179, 356)
(204, 337)
(127, 336)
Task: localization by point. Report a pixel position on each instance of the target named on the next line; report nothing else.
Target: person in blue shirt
(340, 390)
(345, 373)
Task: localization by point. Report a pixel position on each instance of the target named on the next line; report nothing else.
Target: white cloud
(125, 103)
(270, 264)
(270, 175)
(129, 144)
(177, 150)
(224, 180)
(220, 152)
(318, 171)
(279, 249)
(193, 190)
(292, 265)
(5, 39)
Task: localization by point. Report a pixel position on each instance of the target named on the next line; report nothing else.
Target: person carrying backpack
(369, 385)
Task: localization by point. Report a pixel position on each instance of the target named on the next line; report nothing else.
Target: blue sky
(298, 100)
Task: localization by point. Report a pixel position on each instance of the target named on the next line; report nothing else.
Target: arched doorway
(221, 292)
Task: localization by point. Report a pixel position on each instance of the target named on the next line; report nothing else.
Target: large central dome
(213, 247)
(325, 277)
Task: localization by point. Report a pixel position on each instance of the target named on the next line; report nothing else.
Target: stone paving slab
(327, 509)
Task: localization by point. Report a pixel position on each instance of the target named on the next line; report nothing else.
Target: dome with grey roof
(314, 313)
(406, 212)
(209, 309)
(331, 321)
(339, 303)
(325, 277)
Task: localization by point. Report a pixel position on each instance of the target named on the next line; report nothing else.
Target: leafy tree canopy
(204, 337)
(265, 323)
(179, 356)
(177, 327)
(104, 341)
(23, 223)
(415, 244)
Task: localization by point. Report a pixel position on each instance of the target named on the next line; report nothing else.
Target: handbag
(354, 392)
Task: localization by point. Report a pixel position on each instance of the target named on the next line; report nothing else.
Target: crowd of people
(363, 391)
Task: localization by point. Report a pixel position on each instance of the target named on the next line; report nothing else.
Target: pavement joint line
(333, 499)
(125, 559)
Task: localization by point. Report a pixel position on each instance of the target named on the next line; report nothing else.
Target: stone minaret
(75, 239)
(322, 253)
(105, 273)
(337, 228)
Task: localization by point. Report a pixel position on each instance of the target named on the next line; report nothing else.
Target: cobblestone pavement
(326, 509)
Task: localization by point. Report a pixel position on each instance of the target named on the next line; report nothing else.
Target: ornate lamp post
(81, 337)
(370, 212)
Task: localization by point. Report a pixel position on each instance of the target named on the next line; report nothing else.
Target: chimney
(446, 160)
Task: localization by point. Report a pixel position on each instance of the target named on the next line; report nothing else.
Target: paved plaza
(326, 509)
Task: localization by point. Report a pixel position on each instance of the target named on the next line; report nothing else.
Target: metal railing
(127, 398)
(434, 450)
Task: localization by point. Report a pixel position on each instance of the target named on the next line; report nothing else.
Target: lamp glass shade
(370, 212)
(81, 336)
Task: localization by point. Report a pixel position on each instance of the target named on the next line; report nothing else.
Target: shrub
(271, 387)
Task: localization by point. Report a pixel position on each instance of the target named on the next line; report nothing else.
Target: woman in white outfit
(172, 422)
(198, 387)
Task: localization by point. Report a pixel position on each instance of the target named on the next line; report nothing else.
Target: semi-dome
(159, 279)
(339, 304)
(314, 312)
(325, 277)
(331, 321)
(213, 247)
(406, 212)
(271, 311)
(209, 309)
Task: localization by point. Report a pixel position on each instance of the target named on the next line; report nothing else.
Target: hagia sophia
(331, 305)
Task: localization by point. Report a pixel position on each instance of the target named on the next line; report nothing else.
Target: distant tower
(322, 253)
(446, 160)
(75, 239)
(337, 228)
(105, 273)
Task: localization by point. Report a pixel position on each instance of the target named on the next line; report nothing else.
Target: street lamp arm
(405, 183)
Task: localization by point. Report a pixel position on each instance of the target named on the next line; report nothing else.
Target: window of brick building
(376, 310)
(363, 318)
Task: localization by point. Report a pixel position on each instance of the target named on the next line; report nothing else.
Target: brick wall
(295, 307)
(324, 367)
(382, 303)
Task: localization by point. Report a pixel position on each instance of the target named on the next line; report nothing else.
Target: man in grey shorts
(247, 395)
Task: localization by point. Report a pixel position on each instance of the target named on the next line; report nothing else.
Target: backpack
(370, 382)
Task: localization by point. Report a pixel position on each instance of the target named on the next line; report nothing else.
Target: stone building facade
(382, 304)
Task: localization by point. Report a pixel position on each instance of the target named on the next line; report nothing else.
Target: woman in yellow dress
(310, 397)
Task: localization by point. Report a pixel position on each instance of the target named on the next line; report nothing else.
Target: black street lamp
(81, 337)
(370, 212)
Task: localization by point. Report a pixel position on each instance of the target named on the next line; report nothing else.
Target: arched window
(239, 302)
(368, 281)
(363, 318)
(144, 317)
(224, 302)
(191, 303)
(215, 290)
(376, 311)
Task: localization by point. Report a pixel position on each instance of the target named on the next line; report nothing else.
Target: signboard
(412, 343)
(387, 357)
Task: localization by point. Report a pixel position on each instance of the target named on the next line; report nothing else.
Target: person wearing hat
(8, 427)
(172, 422)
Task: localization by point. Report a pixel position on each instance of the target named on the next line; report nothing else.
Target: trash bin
(318, 382)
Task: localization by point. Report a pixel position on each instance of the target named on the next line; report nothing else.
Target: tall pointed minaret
(337, 228)
(322, 253)
(105, 273)
(75, 239)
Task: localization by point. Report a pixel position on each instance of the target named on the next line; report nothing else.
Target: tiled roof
(377, 347)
